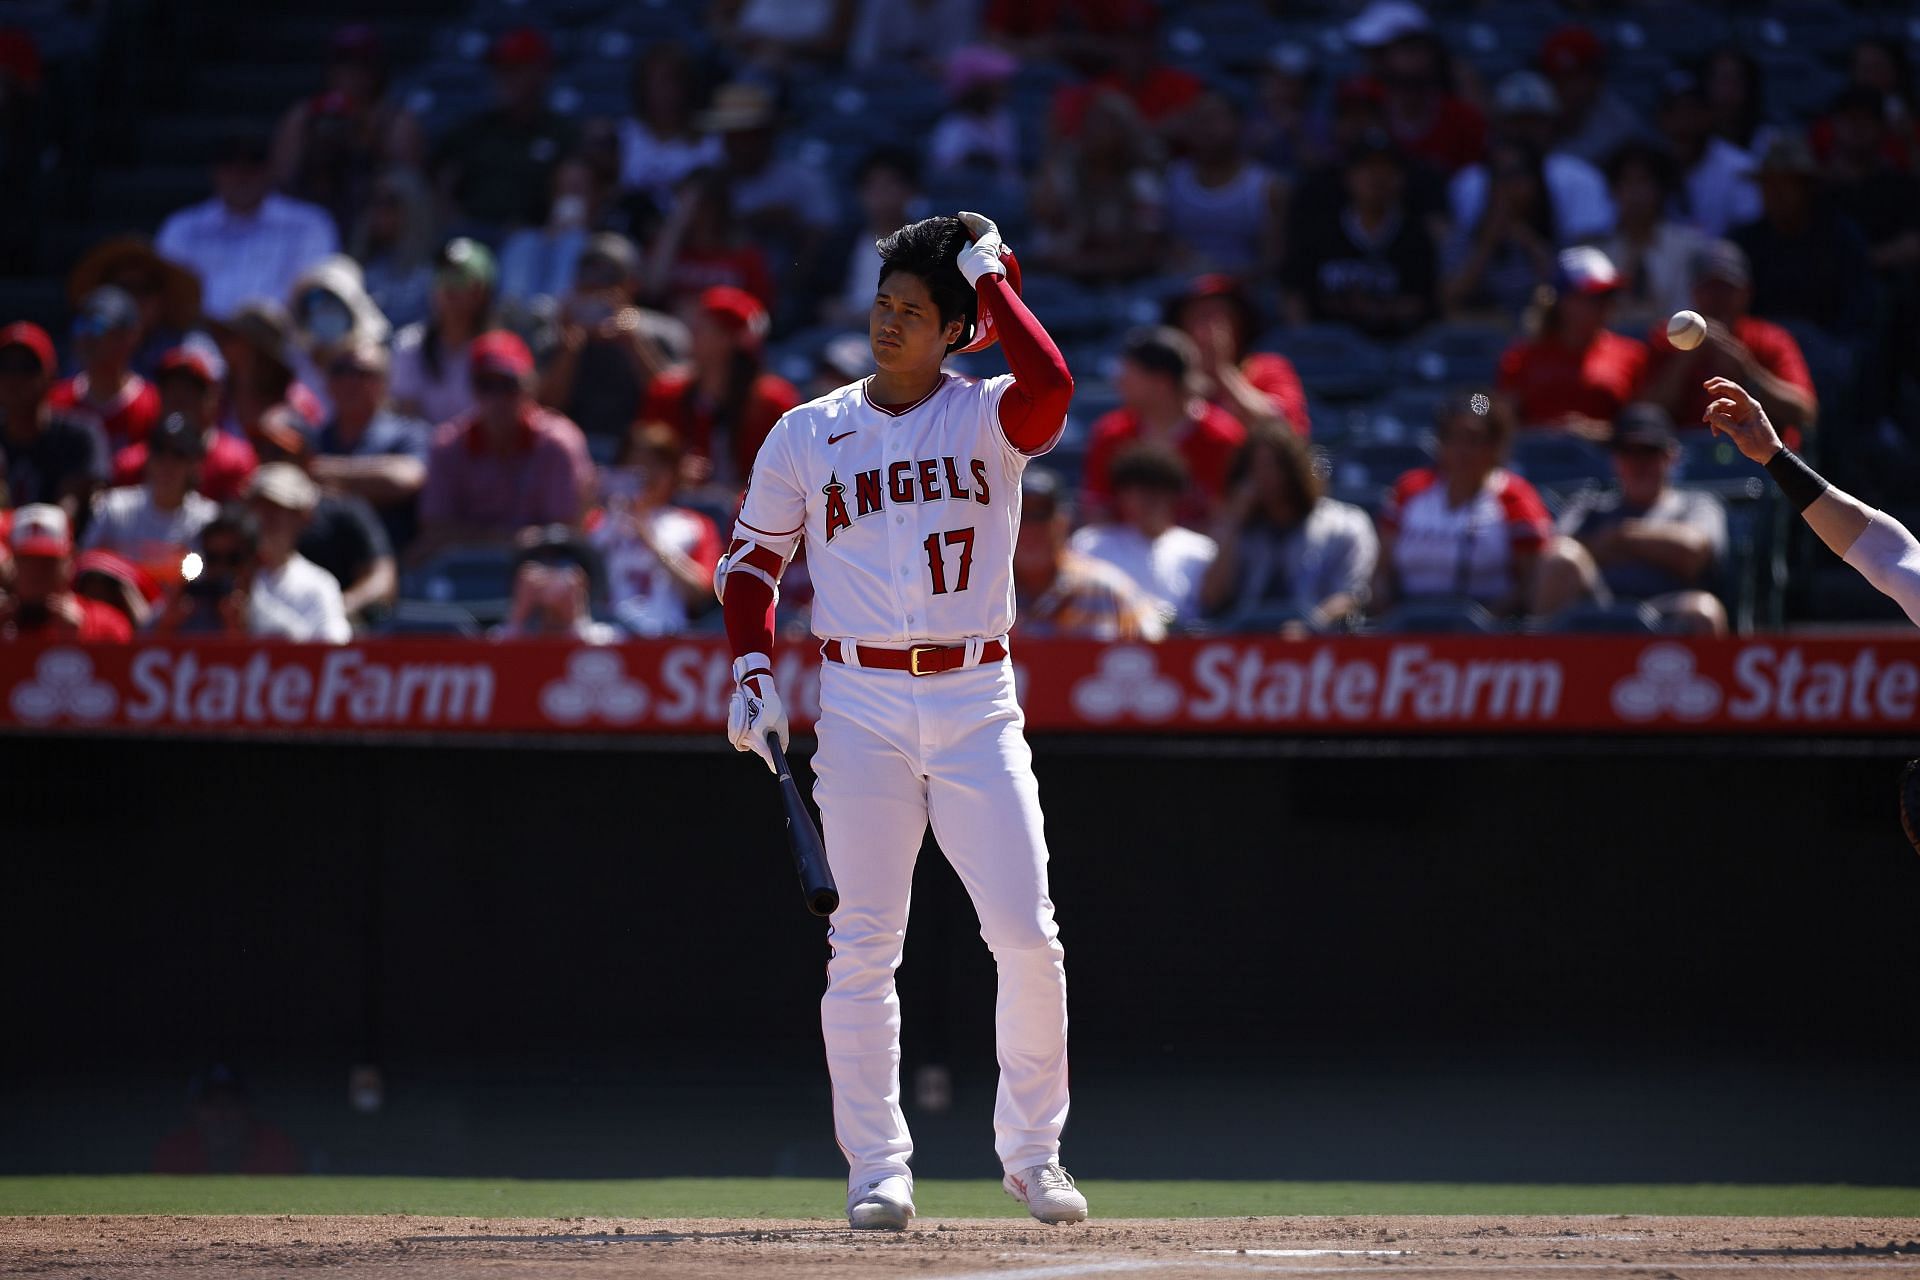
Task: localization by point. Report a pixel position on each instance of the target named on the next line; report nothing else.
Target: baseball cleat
(1048, 1192)
(885, 1205)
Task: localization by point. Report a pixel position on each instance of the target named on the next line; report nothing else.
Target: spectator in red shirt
(1425, 116)
(659, 557)
(225, 1134)
(107, 330)
(1465, 528)
(1259, 388)
(42, 603)
(505, 465)
(1574, 374)
(1158, 405)
(189, 386)
(701, 245)
(1757, 354)
(724, 402)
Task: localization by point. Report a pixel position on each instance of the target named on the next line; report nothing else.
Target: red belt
(920, 659)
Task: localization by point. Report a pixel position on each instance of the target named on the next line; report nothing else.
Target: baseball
(1686, 329)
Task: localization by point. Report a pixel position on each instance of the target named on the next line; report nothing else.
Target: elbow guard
(751, 558)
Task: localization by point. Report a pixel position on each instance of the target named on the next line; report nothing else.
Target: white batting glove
(982, 257)
(755, 707)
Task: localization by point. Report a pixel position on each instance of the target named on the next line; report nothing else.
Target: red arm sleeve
(1035, 406)
(747, 605)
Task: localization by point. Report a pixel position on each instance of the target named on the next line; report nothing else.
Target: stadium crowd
(1367, 311)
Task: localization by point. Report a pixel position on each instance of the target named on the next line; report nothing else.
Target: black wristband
(1800, 482)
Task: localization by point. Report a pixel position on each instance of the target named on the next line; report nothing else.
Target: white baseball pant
(897, 751)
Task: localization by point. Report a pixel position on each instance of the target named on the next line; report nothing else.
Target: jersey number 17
(936, 559)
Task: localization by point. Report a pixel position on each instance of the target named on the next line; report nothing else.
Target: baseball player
(905, 487)
(1876, 544)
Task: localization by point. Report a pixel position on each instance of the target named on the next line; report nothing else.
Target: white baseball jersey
(909, 516)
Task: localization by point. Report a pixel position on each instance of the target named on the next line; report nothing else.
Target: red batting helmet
(982, 336)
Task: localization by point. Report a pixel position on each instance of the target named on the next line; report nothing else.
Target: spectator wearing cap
(342, 534)
(702, 245)
(977, 136)
(329, 147)
(1284, 545)
(661, 143)
(1652, 251)
(1526, 104)
(1574, 374)
(1809, 260)
(117, 582)
(153, 523)
(107, 333)
(1594, 121)
(1059, 591)
(724, 401)
(1223, 209)
(1368, 259)
(494, 169)
(1641, 540)
(1716, 182)
(609, 351)
(257, 343)
(1494, 265)
(659, 557)
(248, 241)
(331, 311)
(1466, 528)
(1144, 540)
(189, 387)
(1758, 354)
(291, 598)
(1259, 388)
(1424, 115)
(504, 465)
(41, 601)
(784, 205)
(887, 190)
(367, 448)
(1099, 202)
(166, 294)
(430, 359)
(1159, 405)
(50, 455)
(393, 241)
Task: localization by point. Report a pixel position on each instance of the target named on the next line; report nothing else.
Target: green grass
(821, 1198)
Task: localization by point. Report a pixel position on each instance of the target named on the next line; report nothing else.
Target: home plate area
(961, 1249)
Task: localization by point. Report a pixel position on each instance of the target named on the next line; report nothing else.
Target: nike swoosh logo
(842, 436)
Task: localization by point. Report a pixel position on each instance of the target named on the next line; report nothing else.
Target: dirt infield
(428, 1248)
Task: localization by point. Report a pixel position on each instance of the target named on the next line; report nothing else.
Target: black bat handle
(803, 839)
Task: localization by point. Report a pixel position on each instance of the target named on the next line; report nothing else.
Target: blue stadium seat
(1453, 353)
(1711, 463)
(480, 578)
(431, 618)
(1333, 360)
(1439, 617)
(1363, 474)
(1622, 617)
(1560, 463)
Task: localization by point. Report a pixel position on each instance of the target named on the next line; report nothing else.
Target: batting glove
(755, 707)
(982, 257)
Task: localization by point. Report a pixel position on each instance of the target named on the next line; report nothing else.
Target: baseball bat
(803, 840)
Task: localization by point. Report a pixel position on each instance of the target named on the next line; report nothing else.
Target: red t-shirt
(1440, 550)
(695, 271)
(1777, 351)
(1156, 95)
(673, 399)
(1274, 375)
(1455, 138)
(126, 420)
(1208, 445)
(100, 623)
(224, 472)
(1549, 379)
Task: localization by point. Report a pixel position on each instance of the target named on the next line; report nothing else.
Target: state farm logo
(1666, 684)
(1127, 681)
(63, 684)
(596, 684)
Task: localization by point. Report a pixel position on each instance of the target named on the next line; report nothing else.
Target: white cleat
(1048, 1192)
(885, 1205)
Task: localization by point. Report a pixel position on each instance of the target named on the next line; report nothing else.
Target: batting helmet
(981, 335)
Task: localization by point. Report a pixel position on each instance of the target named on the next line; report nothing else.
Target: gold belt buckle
(913, 658)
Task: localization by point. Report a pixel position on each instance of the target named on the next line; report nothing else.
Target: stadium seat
(431, 618)
(1439, 617)
(1711, 463)
(1453, 353)
(1622, 617)
(1363, 474)
(1563, 464)
(1334, 361)
(481, 578)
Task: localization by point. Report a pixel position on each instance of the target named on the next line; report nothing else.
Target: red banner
(1366, 685)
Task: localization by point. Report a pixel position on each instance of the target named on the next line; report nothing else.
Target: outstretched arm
(1873, 542)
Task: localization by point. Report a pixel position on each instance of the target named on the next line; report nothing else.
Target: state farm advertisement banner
(1240, 685)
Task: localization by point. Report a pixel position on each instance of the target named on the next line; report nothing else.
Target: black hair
(235, 521)
(1152, 467)
(1751, 110)
(898, 159)
(929, 249)
(1161, 349)
(1542, 219)
(1652, 157)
